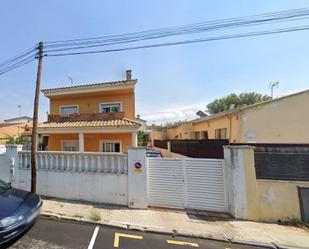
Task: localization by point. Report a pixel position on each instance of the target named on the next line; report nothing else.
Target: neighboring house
(18, 120)
(14, 129)
(281, 120)
(96, 117)
(144, 127)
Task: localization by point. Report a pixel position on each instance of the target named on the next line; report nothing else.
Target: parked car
(153, 153)
(19, 210)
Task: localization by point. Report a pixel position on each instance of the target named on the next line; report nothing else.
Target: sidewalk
(180, 223)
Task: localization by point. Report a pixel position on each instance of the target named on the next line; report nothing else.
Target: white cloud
(173, 114)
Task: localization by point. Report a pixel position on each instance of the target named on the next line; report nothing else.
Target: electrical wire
(185, 29)
(17, 65)
(17, 57)
(216, 38)
(52, 48)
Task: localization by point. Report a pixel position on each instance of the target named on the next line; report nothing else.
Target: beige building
(15, 127)
(281, 120)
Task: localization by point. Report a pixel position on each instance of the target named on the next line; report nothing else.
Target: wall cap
(137, 148)
(14, 145)
(239, 147)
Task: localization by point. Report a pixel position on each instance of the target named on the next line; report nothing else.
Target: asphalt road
(50, 234)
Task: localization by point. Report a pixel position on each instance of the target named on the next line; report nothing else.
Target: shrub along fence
(207, 148)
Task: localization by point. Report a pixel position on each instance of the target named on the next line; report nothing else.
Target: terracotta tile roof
(105, 84)
(91, 123)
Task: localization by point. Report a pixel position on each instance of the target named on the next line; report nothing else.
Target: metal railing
(85, 162)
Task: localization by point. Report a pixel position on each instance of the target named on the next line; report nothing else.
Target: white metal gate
(191, 183)
(165, 183)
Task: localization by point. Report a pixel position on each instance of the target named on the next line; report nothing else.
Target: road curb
(157, 230)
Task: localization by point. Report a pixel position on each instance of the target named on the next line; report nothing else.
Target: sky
(173, 82)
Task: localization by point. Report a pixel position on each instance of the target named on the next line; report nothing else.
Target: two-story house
(96, 117)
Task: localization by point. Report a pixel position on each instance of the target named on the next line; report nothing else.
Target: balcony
(85, 116)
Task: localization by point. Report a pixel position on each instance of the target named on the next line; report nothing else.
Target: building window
(111, 146)
(67, 110)
(110, 107)
(197, 135)
(204, 134)
(220, 133)
(70, 145)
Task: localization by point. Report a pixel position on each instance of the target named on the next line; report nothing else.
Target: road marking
(182, 243)
(94, 236)
(130, 236)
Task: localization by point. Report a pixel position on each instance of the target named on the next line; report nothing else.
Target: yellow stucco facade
(282, 120)
(259, 199)
(90, 102)
(279, 200)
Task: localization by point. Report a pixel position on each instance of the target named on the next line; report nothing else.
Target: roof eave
(98, 87)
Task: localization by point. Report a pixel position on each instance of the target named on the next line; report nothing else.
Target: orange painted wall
(89, 103)
(91, 140)
(11, 130)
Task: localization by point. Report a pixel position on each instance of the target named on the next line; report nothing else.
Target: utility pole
(35, 120)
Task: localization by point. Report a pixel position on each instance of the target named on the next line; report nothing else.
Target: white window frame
(110, 141)
(68, 106)
(63, 141)
(110, 103)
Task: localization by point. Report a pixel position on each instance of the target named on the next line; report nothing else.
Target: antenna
(272, 85)
(70, 80)
(19, 111)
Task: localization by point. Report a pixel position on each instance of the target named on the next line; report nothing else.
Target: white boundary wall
(94, 177)
(93, 187)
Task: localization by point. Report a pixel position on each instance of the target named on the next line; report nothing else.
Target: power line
(17, 65)
(216, 38)
(53, 47)
(101, 44)
(285, 16)
(301, 11)
(18, 57)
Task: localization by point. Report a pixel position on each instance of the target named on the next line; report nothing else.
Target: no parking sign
(138, 167)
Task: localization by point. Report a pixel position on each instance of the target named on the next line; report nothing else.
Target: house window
(197, 135)
(70, 145)
(110, 107)
(220, 133)
(70, 109)
(110, 146)
(204, 134)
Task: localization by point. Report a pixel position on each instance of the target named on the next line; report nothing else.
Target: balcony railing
(85, 116)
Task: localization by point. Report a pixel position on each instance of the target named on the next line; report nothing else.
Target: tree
(233, 101)
(142, 138)
(17, 139)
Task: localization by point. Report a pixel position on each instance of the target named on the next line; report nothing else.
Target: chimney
(129, 75)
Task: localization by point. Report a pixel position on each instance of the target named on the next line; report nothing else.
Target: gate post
(137, 178)
(12, 159)
(241, 181)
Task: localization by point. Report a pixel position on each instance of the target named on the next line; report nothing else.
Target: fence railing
(87, 162)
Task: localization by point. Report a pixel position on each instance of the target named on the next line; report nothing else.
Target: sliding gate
(190, 183)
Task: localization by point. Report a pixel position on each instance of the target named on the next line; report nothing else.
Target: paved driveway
(50, 234)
